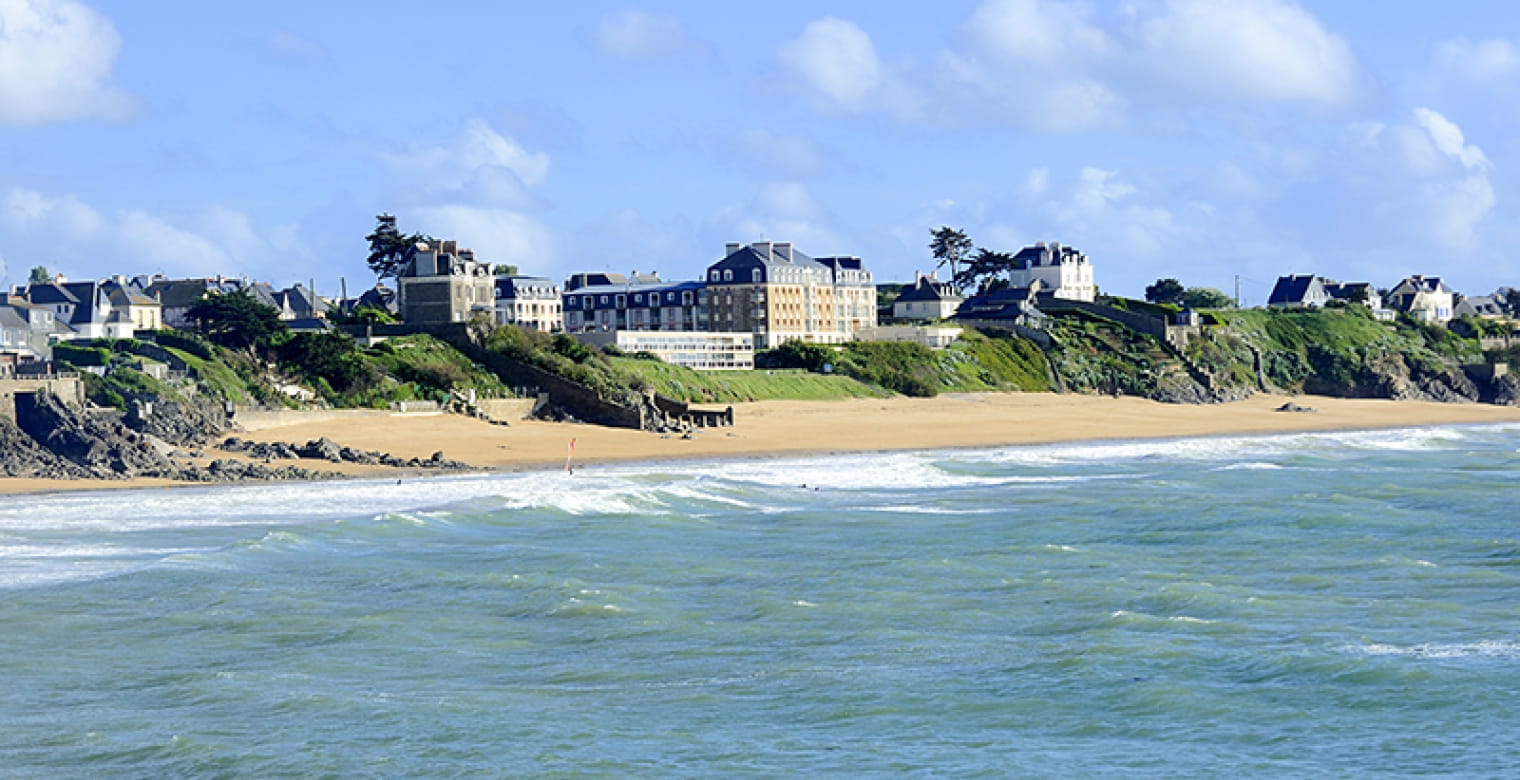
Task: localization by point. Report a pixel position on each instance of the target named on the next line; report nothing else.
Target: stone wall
(69, 390)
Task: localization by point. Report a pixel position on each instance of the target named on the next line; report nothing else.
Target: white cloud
(1448, 139)
(1057, 67)
(640, 35)
(295, 46)
(1478, 59)
(837, 58)
(55, 63)
(1258, 49)
(24, 208)
(1039, 33)
(478, 147)
(73, 235)
(496, 235)
(1097, 189)
(173, 249)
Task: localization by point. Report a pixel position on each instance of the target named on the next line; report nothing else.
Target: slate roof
(1293, 289)
(929, 289)
(519, 286)
(50, 293)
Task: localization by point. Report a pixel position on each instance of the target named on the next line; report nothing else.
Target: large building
(444, 284)
(661, 306)
(779, 295)
(1062, 271)
(531, 302)
(698, 350)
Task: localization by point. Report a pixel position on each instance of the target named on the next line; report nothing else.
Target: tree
(1206, 298)
(40, 275)
(950, 247)
(1164, 291)
(236, 320)
(390, 252)
(984, 270)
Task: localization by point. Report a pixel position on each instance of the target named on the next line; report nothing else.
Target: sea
(1307, 605)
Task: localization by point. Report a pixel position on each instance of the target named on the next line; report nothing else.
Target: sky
(1206, 140)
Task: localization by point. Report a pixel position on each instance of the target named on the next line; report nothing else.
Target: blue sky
(1202, 139)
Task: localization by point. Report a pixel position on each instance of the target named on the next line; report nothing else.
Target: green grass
(736, 386)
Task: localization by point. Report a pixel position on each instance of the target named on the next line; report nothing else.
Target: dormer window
(728, 275)
(715, 276)
(755, 275)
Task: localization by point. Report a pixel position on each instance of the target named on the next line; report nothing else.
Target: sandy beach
(796, 427)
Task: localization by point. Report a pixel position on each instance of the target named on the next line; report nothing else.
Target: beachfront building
(636, 306)
(531, 302)
(1062, 271)
(1425, 298)
(176, 297)
(1488, 307)
(444, 284)
(926, 299)
(779, 294)
(698, 350)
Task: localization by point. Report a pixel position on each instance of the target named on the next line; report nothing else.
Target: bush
(82, 356)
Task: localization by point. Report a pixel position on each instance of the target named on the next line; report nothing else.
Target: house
(927, 299)
(1298, 290)
(86, 307)
(1061, 270)
(1355, 292)
(1489, 307)
(297, 303)
(778, 294)
(531, 302)
(1007, 306)
(1425, 298)
(27, 331)
(443, 284)
(144, 312)
(665, 306)
(176, 296)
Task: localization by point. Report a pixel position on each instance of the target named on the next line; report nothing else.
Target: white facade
(1424, 298)
(694, 349)
(1063, 270)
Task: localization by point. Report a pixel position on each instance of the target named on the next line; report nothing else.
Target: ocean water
(1308, 605)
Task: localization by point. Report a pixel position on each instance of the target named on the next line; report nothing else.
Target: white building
(699, 350)
(1062, 270)
(531, 302)
(926, 299)
(1424, 298)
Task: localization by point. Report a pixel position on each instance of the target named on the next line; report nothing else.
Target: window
(715, 276)
(755, 275)
(604, 299)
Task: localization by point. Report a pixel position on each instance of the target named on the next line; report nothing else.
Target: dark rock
(1293, 407)
(322, 449)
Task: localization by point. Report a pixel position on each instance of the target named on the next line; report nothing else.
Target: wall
(70, 390)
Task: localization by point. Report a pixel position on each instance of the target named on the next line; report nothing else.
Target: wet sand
(795, 427)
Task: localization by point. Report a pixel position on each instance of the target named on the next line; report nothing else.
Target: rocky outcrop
(187, 423)
(21, 456)
(99, 443)
(329, 450)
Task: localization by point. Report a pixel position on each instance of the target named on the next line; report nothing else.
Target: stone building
(1062, 271)
(445, 284)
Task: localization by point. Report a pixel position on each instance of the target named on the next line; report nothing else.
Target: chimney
(784, 250)
(731, 248)
(762, 248)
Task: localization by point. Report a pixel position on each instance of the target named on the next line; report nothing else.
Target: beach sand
(795, 427)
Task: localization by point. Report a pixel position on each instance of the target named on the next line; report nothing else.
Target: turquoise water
(1306, 605)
